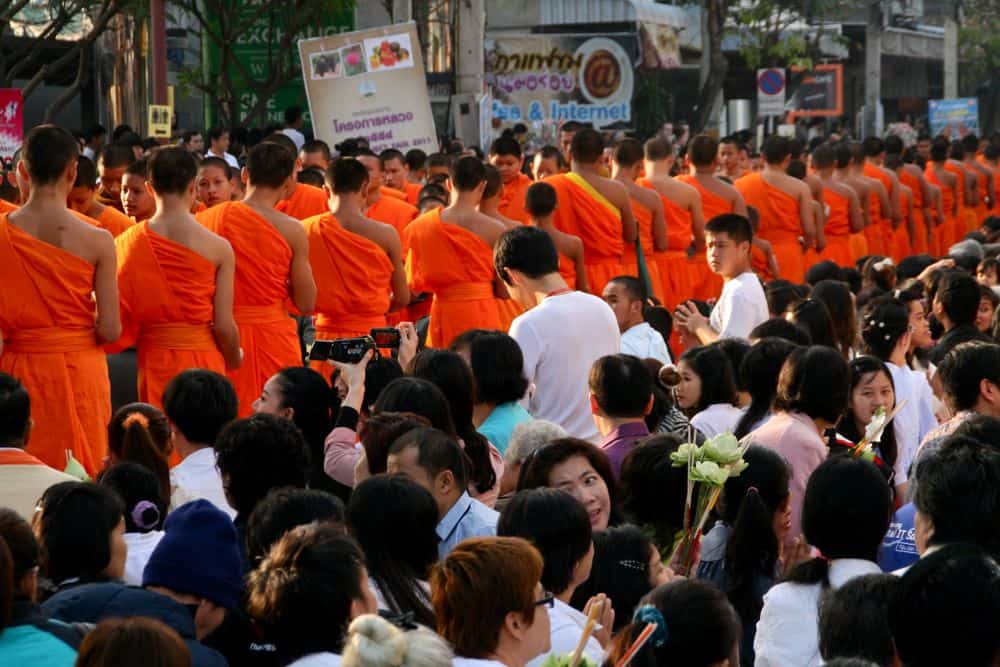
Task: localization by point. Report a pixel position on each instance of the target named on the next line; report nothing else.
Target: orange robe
(268, 334)
(114, 221)
(7, 207)
(630, 256)
(758, 262)
(412, 192)
(585, 213)
(944, 233)
(305, 202)
(167, 294)
(966, 220)
(49, 344)
(672, 263)
(108, 200)
(512, 199)
(457, 266)
(353, 279)
(885, 224)
(708, 285)
(779, 223)
(918, 244)
(392, 192)
(902, 247)
(837, 229)
(392, 211)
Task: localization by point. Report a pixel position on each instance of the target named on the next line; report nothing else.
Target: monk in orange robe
(490, 205)
(873, 168)
(938, 174)
(382, 207)
(844, 216)
(357, 262)
(396, 173)
(449, 252)
(594, 209)
(505, 155)
(784, 205)
(844, 173)
(912, 177)
(876, 201)
(272, 265)
(175, 280)
(111, 165)
(82, 199)
(214, 182)
(967, 188)
(908, 231)
(56, 270)
(717, 198)
(626, 166)
(541, 202)
(137, 201)
(305, 202)
(987, 158)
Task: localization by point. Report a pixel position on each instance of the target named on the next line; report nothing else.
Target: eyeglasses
(547, 601)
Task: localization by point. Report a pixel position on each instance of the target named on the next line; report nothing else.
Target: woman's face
(688, 390)
(984, 316)
(119, 552)
(271, 400)
(577, 477)
(659, 574)
(874, 391)
(921, 339)
(782, 522)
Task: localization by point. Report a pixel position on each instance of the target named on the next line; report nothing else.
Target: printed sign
(815, 92)
(11, 123)
(158, 121)
(550, 79)
(771, 92)
(369, 83)
(954, 118)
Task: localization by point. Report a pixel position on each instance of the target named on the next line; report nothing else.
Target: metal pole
(951, 55)
(873, 68)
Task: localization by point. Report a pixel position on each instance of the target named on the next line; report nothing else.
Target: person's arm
(659, 226)
(400, 289)
(806, 216)
(630, 227)
(582, 282)
(697, 222)
(531, 351)
(895, 200)
(340, 453)
(408, 344)
(224, 329)
(301, 282)
(108, 324)
(694, 323)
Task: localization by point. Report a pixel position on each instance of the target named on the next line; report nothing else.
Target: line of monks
(192, 278)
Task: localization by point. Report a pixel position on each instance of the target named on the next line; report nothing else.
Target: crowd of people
(272, 403)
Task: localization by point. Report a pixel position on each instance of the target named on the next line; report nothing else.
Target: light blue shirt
(500, 424)
(467, 518)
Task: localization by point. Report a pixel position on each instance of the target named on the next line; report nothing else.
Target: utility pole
(873, 68)
(471, 66)
(158, 49)
(951, 51)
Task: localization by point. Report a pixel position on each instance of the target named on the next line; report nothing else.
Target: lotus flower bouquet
(708, 468)
(873, 432)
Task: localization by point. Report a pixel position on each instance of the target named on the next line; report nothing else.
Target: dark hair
(775, 149)
(836, 296)
(140, 433)
(400, 558)
(311, 400)
(139, 168)
(121, 641)
(467, 172)
(712, 367)
(379, 431)
(199, 403)
(633, 287)
(621, 385)
(378, 375)
(15, 410)
(536, 469)
(415, 158)
(270, 164)
(74, 530)
(436, 452)
(815, 381)
(736, 350)
(781, 295)
(257, 454)
(293, 114)
(964, 369)
(86, 173)
(854, 620)
(760, 370)
(145, 501)
(845, 514)
(526, 249)
(958, 293)
(702, 627)
(860, 367)
(883, 323)
(498, 368)
(283, 509)
(749, 503)
(21, 542)
(549, 152)
(557, 525)
(658, 148)
(540, 199)
(620, 570)
(628, 152)
(453, 376)
(959, 490)
(115, 156)
(984, 428)
(779, 327)
(171, 170)
(737, 227)
(824, 156)
(47, 152)
(420, 397)
(494, 182)
(652, 490)
(813, 315)
(702, 150)
(505, 146)
(346, 175)
(945, 607)
(301, 593)
(587, 146)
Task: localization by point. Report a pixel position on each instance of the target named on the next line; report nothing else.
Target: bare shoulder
(381, 233)
(645, 196)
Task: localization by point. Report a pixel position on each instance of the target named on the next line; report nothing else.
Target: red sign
(11, 123)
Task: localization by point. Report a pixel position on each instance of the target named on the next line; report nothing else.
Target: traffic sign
(771, 92)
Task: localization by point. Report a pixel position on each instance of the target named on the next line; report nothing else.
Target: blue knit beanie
(198, 555)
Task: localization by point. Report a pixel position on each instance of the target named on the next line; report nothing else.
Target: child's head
(540, 200)
(214, 182)
(988, 272)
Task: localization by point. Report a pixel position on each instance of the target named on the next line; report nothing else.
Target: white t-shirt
(741, 307)
(228, 157)
(317, 660)
(566, 626)
(914, 421)
(645, 342)
(295, 136)
(198, 477)
(717, 418)
(140, 548)
(560, 339)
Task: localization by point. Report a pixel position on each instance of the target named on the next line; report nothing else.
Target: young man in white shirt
(218, 146)
(562, 333)
(294, 121)
(627, 299)
(742, 304)
(199, 404)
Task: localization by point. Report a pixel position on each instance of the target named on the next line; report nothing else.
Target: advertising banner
(546, 80)
(369, 83)
(11, 123)
(815, 92)
(954, 118)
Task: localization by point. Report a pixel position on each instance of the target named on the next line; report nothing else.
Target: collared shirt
(788, 630)
(228, 157)
(741, 307)
(198, 477)
(645, 342)
(566, 626)
(295, 136)
(619, 442)
(963, 333)
(23, 480)
(467, 518)
(717, 418)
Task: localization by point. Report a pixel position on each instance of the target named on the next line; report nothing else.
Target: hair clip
(145, 514)
(136, 418)
(647, 613)
(887, 336)
(633, 565)
(752, 489)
